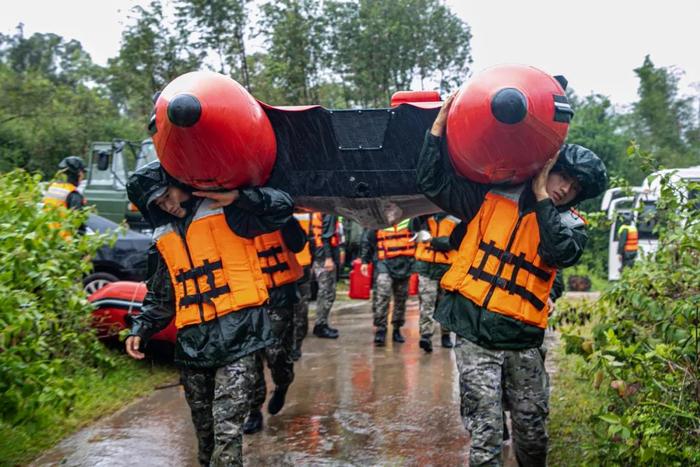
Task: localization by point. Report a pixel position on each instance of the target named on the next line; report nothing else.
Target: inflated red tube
(211, 133)
(506, 122)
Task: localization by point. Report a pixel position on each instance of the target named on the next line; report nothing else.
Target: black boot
(277, 400)
(446, 341)
(397, 336)
(324, 332)
(426, 344)
(253, 423)
(380, 337)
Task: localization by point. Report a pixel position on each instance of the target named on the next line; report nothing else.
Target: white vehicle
(640, 209)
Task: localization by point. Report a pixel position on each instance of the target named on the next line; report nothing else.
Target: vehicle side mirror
(102, 160)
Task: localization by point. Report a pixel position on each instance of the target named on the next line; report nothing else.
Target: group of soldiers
(233, 270)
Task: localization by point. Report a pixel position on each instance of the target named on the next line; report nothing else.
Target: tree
(380, 47)
(153, 52)
(218, 27)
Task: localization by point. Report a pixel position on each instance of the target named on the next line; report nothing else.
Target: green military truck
(110, 164)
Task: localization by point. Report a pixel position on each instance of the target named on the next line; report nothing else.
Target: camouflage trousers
(385, 287)
(429, 295)
(491, 381)
(301, 313)
(326, 291)
(219, 400)
(278, 356)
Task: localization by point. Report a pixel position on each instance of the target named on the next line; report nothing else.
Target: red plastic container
(360, 286)
(413, 284)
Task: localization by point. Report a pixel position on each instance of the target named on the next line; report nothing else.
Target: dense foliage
(643, 351)
(45, 334)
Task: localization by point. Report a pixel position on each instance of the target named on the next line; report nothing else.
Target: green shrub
(644, 354)
(45, 334)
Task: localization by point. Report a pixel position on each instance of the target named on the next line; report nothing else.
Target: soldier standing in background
(301, 309)
(326, 249)
(276, 251)
(628, 244)
(434, 254)
(66, 193)
(395, 250)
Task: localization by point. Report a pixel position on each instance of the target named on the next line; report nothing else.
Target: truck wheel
(95, 281)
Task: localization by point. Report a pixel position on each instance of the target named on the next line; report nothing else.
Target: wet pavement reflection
(351, 404)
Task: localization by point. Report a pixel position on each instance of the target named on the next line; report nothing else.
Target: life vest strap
(279, 267)
(199, 271)
(206, 297)
(509, 286)
(519, 261)
(272, 251)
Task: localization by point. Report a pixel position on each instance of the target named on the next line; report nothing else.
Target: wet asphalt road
(351, 404)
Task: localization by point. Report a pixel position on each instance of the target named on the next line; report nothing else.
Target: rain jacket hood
(584, 165)
(145, 185)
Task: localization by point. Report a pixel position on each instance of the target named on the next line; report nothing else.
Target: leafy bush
(45, 334)
(643, 351)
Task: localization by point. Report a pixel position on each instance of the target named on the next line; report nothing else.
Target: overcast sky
(596, 44)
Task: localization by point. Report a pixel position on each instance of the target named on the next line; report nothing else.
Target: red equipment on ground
(209, 132)
(413, 284)
(360, 285)
(116, 303)
(506, 122)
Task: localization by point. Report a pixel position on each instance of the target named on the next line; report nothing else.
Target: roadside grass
(97, 395)
(572, 403)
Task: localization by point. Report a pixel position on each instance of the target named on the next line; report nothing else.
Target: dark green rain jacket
(562, 235)
(226, 339)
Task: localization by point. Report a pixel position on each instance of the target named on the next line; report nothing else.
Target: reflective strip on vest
(395, 241)
(442, 228)
(632, 242)
(213, 271)
(498, 266)
(304, 256)
(279, 265)
(57, 194)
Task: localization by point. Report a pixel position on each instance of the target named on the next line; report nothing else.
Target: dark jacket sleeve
(622, 239)
(258, 211)
(75, 200)
(562, 235)
(293, 235)
(557, 287)
(419, 223)
(327, 234)
(158, 308)
(440, 185)
(441, 244)
(368, 245)
(457, 235)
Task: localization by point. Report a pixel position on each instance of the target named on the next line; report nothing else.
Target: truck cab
(110, 164)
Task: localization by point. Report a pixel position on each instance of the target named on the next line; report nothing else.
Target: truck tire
(95, 281)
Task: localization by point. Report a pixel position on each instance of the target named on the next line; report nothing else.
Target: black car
(125, 261)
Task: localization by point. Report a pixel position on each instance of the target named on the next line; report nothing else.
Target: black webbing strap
(273, 251)
(510, 258)
(198, 271)
(399, 248)
(505, 285)
(276, 268)
(205, 297)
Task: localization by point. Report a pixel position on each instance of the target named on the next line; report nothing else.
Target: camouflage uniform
(429, 294)
(488, 380)
(219, 401)
(385, 287)
(326, 291)
(277, 355)
(301, 313)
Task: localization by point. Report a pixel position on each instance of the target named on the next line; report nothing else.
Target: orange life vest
(278, 264)
(57, 194)
(213, 271)
(317, 231)
(395, 241)
(498, 267)
(632, 243)
(442, 228)
(304, 256)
